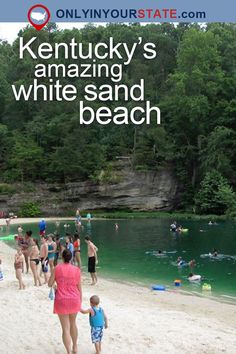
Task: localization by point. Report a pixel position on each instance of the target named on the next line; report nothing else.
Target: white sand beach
(140, 321)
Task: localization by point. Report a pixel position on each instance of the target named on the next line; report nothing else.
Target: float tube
(184, 230)
(206, 287)
(8, 237)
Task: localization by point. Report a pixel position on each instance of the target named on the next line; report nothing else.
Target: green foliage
(192, 80)
(215, 195)
(30, 209)
(107, 176)
(7, 188)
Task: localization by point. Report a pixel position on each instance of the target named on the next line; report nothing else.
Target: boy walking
(98, 321)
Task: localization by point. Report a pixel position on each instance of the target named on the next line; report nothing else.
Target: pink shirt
(67, 297)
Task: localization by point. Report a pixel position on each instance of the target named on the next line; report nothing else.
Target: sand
(140, 321)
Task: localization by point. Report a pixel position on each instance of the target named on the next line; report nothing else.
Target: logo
(38, 16)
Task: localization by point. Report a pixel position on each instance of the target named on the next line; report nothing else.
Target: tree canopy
(192, 79)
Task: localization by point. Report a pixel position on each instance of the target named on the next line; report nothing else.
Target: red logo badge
(38, 16)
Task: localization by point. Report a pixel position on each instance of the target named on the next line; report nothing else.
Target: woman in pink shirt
(68, 297)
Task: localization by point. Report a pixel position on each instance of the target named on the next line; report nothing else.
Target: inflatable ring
(206, 287)
(159, 287)
(8, 237)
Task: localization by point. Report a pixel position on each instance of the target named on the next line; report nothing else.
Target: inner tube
(206, 287)
(159, 287)
(195, 278)
(8, 237)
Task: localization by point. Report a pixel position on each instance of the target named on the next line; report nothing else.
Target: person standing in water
(92, 259)
(44, 258)
(42, 227)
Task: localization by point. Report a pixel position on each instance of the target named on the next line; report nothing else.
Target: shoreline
(208, 295)
(167, 322)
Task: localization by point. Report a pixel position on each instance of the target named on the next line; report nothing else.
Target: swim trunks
(91, 264)
(96, 334)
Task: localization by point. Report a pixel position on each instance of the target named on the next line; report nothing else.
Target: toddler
(98, 321)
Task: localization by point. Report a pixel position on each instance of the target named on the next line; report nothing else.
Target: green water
(127, 254)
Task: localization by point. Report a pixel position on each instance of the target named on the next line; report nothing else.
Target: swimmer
(192, 263)
(214, 252)
(210, 223)
(173, 226)
(180, 261)
(116, 226)
(19, 231)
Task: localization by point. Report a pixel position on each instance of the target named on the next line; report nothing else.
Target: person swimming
(180, 262)
(214, 252)
(192, 263)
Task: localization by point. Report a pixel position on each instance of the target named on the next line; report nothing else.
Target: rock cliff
(134, 190)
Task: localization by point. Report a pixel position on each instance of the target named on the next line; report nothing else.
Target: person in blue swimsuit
(52, 248)
(97, 320)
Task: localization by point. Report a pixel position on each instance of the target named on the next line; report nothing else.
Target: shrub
(30, 209)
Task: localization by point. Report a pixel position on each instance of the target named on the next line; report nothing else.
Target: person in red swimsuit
(77, 258)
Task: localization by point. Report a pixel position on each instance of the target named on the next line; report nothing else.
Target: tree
(215, 195)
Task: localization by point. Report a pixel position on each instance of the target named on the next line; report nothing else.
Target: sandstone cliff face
(152, 190)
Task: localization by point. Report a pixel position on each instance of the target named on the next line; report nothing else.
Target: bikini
(35, 260)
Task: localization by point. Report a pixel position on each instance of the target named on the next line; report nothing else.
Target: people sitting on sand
(194, 277)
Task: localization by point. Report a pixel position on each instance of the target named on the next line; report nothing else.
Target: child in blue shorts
(98, 321)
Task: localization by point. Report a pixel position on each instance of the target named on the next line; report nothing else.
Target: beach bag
(51, 294)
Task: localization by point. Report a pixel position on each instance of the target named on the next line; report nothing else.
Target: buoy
(206, 286)
(158, 287)
(177, 282)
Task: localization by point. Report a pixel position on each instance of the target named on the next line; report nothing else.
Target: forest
(193, 82)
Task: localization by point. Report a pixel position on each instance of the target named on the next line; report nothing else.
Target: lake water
(129, 253)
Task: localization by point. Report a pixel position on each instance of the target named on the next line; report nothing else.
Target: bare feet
(75, 349)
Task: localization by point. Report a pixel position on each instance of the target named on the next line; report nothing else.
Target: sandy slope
(139, 321)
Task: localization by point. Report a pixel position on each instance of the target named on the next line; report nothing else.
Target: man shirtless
(92, 259)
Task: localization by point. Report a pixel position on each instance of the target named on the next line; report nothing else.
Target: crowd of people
(56, 261)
